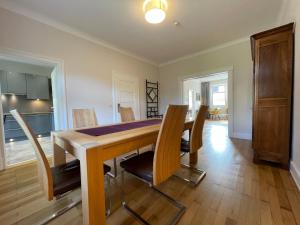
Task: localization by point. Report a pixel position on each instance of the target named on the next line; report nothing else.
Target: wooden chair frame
(44, 170)
(166, 158)
(195, 144)
(127, 115)
(84, 118)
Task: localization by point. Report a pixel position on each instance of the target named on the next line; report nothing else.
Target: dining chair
(83, 118)
(56, 181)
(156, 167)
(127, 115)
(193, 145)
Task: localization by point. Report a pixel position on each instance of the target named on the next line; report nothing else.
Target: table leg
(59, 154)
(92, 188)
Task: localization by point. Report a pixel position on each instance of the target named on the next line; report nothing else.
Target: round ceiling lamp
(155, 10)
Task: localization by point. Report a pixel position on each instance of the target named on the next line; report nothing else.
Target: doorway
(215, 91)
(38, 95)
(125, 94)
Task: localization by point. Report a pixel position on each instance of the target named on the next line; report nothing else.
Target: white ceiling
(204, 23)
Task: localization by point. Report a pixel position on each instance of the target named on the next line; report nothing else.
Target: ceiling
(203, 23)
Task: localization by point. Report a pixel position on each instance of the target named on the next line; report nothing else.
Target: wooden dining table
(93, 146)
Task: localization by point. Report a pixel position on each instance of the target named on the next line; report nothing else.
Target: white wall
(291, 13)
(238, 56)
(88, 66)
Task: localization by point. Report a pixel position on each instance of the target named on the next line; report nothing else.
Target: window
(218, 95)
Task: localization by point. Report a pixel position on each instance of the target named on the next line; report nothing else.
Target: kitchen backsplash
(24, 105)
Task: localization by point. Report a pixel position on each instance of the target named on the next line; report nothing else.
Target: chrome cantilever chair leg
(108, 211)
(178, 205)
(115, 174)
(200, 172)
(60, 212)
(131, 155)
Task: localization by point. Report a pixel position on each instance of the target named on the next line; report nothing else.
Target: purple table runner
(98, 131)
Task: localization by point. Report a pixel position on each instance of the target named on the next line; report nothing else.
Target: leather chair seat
(185, 145)
(140, 166)
(67, 177)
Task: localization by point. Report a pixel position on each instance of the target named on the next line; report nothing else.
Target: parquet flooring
(234, 192)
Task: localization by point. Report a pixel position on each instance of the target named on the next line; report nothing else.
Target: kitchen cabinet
(3, 81)
(16, 83)
(37, 87)
(40, 123)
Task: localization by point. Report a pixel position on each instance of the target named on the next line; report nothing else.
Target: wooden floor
(20, 151)
(234, 192)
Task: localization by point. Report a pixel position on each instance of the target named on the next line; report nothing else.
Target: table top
(110, 129)
(80, 138)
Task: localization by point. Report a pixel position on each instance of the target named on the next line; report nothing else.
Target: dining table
(95, 145)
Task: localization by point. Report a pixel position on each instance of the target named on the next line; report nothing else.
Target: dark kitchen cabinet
(40, 123)
(37, 87)
(3, 81)
(16, 83)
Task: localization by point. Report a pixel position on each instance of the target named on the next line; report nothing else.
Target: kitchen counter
(41, 123)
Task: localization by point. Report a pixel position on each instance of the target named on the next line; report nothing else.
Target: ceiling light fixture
(155, 10)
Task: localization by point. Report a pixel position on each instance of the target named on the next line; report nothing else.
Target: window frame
(217, 84)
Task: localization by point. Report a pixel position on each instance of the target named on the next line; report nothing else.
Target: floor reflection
(218, 135)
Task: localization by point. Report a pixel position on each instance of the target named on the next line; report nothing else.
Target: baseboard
(295, 174)
(246, 136)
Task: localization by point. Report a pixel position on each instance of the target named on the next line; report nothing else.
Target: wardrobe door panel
(272, 53)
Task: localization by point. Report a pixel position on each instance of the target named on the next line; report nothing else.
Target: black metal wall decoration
(152, 100)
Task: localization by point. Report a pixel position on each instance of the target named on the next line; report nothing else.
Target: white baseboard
(295, 173)
(246, 136)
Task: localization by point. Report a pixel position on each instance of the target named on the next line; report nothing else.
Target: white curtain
(205, 93)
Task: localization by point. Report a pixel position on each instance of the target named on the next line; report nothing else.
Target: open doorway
(211, 90)
(35, 86)
(27, 88)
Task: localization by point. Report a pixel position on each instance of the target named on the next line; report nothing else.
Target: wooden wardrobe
(273, 57)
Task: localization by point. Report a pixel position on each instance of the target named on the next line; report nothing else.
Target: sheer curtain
(205, 93)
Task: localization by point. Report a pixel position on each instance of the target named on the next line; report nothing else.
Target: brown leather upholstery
(67, 177)
(140, 166)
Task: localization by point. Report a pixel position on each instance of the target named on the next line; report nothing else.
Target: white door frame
(230, 92)
(121, 76)
(58, 86)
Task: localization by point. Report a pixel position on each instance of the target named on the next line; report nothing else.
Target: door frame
(58, 88)
(230, 91)
(116, 76)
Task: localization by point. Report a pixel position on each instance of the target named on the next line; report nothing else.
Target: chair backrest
(197, 130)
(44, 171)
(126, 114)
(84, 118)
(167, 151)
